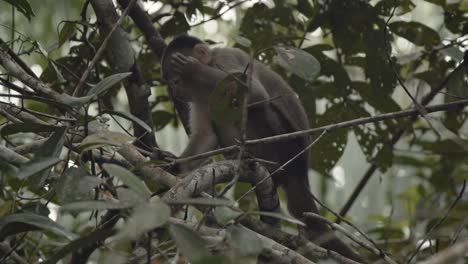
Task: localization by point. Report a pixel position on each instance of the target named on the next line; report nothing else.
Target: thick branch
(147, 170)
(121, 56)
(203, 179)
(16, 71)
(157, 46)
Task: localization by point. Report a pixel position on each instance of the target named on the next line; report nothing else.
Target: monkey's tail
(300, 200)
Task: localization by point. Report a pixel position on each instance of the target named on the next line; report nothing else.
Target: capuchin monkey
(193, 71)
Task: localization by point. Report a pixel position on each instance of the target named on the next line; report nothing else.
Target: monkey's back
(284, 113)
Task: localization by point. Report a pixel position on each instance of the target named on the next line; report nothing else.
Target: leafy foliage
(346, 60)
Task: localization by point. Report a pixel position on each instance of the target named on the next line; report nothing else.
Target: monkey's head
(189, 47)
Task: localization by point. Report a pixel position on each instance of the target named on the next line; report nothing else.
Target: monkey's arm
(205, 78)
(202, 139)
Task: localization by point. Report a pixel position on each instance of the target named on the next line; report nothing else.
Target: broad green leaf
(456, 84)
(143, 219)
(95, 236)
(174, 26)
(129, 179)
(67, 32)
(36, 166)
(75, 185)
(97, 89)
(22, 222)
(95, 205)
(225, 214)
(243, 241)
(107, 83)
(416, 33)
(203, 201)
(242, 41)
(129, 196)
(226, 99)
(299, 62)
(106, 137)
(328, 150)
(23, 6)
(53, 146)
(130, 117)
(51, 149)
(27, 128)
(189, 243)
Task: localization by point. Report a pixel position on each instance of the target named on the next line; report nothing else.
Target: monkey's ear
(202, 53)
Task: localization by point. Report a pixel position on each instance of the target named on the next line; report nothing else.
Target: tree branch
(332, 127)
(157, 45)
(370, 171)
(121, 56)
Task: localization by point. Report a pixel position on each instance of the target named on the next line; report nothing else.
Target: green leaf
(143, 219)
(129, 179)
(243, 41)
(95, 205)
(299, 62)
(203, 201)
(51, 149)
(27, 128)
(107, 83)
(243, 241)
(67, 32)
(97, 89)
(161, 119)
(130, 117)
(22, 6)
(416, 33)
(456, 84)
(225, 214)
(174, 26)
(189, 243)
(36, 166)
(328, 150)
(23, 222)
(226, 99)
(75, 185)
(75, 245)
(105, 137)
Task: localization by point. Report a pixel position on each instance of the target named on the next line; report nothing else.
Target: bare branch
(332, 127)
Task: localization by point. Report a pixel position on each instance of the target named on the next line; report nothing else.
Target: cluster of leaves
(352, 69)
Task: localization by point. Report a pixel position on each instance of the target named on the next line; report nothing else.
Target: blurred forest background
(400, 181)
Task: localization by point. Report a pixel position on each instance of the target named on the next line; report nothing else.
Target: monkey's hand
(180, 62)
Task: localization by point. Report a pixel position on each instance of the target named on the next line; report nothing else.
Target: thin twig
(441, 220)
(330, 128)
(220, 14)
(284, 165)
(396, 137)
